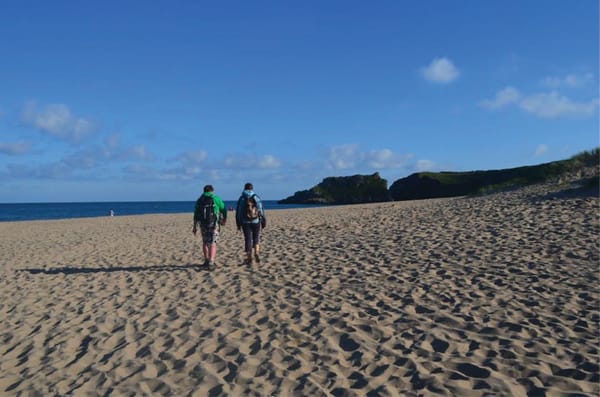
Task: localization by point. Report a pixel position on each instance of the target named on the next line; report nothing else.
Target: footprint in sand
(347, 343)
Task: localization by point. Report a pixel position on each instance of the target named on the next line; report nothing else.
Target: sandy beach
(493, 295)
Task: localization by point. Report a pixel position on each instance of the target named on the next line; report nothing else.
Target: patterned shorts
(210, 235)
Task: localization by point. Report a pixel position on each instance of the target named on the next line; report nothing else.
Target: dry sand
(495, 295)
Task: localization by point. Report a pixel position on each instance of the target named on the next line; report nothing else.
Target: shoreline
(22, 212)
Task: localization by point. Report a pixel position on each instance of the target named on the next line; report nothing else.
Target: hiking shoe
(210, 265)
(257, 258)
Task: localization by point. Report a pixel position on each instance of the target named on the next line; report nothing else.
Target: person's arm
(261, 212)
(221, 208)
(259, 204)
(194, 230)
(238, 213)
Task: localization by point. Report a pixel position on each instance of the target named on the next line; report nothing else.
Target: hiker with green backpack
(250, 218)
(210, 214)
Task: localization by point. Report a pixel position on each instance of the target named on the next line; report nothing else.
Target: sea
(43, 211)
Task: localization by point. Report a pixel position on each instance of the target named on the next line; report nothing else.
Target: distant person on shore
(112, 212)
(210, 214)
(250, 218)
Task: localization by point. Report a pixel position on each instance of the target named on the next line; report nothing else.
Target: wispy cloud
(84, 160)
(343, 157)
(251, 161)
(186, 166)
(425, 165)
(570, 80)
(58, 121)
(268, 162)
(138, 152)
(354, 157)
(191, 157)
(14, 148)
(386, 159)
(553, 105)
(543, 105)
(139, 172)
(440, 70)
(541, 150)
(56, 170)
(504, 97)
(110, 151)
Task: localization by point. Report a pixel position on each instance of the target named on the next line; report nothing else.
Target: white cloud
(141, 172)
(570, 80)
(191, 164)
(541, 150)
(544, 105)
(268, 161)
(504, 97)
(343, 157)
(251, 161)
(352, 156)
(138, 152)
(380, 158)
(111, 151)
(425, 165)
(56, 170)
(57, 120)
(14, 148)
(232, 161)
(192, 157)
(552, 105)
(441, 70)
(385, 159)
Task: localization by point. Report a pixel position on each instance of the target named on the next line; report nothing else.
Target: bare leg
(206, 251)
(257, 252)
(213, 252)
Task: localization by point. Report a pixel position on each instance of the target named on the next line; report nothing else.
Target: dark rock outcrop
(442, 184)
(344, 190)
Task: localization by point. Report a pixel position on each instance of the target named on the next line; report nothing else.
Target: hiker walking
(250, 218)
(210, 214)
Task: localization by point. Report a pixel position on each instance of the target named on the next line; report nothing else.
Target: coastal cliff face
(372, 188)
(344, 190)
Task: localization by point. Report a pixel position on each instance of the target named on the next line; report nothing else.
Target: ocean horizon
(11, 212)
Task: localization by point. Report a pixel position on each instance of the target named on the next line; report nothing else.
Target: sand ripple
(495, 295)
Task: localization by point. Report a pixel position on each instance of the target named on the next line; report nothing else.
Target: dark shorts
(210, 235)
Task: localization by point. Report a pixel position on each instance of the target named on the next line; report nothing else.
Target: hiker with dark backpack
(250, 218)
(210, 214)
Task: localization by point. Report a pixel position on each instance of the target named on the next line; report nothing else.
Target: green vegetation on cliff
(448, 184)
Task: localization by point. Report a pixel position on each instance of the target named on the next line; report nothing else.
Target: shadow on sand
(582, 190)
(81, 270)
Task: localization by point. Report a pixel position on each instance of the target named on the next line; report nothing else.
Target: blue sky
(152, 100)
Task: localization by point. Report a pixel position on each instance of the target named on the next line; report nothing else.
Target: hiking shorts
(210, 235)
